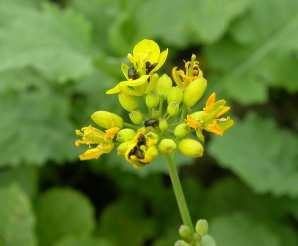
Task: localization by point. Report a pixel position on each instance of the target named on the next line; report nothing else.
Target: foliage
(57, 59)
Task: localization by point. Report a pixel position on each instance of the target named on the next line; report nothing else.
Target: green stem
(126, 124)
(179, 193)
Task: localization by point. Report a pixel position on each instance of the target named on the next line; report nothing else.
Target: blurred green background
(56, 60)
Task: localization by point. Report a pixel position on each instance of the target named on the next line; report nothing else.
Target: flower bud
(191, 148)
(125, 135)
(185, 232)
(181, 130)
(155, 113)
(197, 238)
(167, 146)
(173, 108)
(163, 125)
(182, 243)
(151, 153)
(152, 100)
(164, 84)
(122, 148)
(107, 119)
(136, 117)
(207, 240)
(128, 102)
(152, 83)
(202, 227)
(175, 95)
(194, 92)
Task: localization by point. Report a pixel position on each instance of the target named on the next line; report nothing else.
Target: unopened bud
(207, 240)
(164, 84)
(191, 148)
(173, 108)
(152, 83)
(202, 227)
(128, 102)
(182, 243)
(151, 153)
(136, 117)
(181, 130)
(122, 148)
(163, 125)
(107, 119)
(185, 232)
(167, 146)
(197, 238)
(125, 135)
(175, 95)
(152, 100)
(194, 91)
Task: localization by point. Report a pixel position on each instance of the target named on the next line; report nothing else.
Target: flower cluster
(159, 108)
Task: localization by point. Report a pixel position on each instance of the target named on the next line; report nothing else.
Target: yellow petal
(114, 90)
(136, 82)
(223, 111)
(161, 61)
(89, 135)
(90, 154)
(146, 50)
(210, 102)
(215, 128)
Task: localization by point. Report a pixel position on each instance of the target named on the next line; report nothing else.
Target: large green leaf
(223, 198)
(240, 229)
(25, 176)
(63, 212)
(117, 15)
(264, 156)
(17, 220)
(260, 52)
(34, 126)
(55, 42)
(187, 22)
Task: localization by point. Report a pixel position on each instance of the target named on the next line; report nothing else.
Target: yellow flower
(211, 118)
(132, 87)
(191, 73)
(145, 60)
(146, 57)
(98, 142)
(141, 150)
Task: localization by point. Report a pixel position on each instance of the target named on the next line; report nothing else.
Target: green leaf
(25, 176)
(124, 223)
(35, 127)
(117, 15)
(261, 52)
(55, 42)
(187, 22)
(74, 241)
(19, 79)
(223, 194)
(17, 220)
(240, 229)
(264, 156)
(63, 212)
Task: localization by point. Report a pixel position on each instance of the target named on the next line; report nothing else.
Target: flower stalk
(180, 198)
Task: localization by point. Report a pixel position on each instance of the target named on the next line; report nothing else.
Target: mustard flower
(211, 118)
(145, 60)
